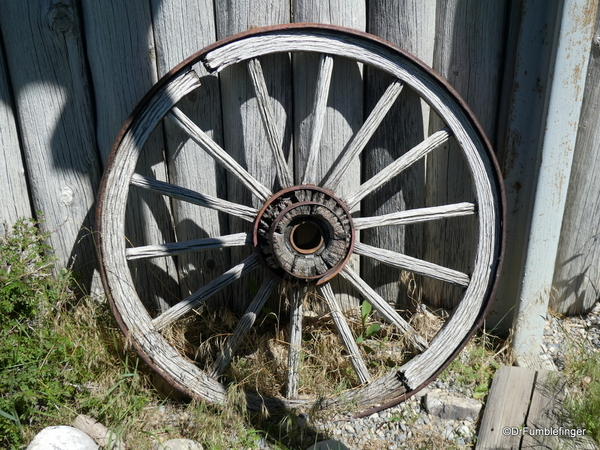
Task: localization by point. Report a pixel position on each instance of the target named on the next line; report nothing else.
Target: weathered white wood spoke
(177, 192)
(297, 295)
(219, 155)
(412, 264)
(363, 135)
(385, 309)
(268, 118)
(194, 245)
(346, 334)
(400, 164)
(416, 215)
(233, 342)
(318, 118)
(187, 304)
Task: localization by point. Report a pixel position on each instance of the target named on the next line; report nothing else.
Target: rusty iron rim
(198, 57)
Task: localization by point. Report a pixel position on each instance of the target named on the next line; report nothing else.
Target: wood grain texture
(245, 138)
(14, 196)
(577, 271)
(181, 28)
(46, 62)
(409, 24)
(122, 60)
(344, 113)
(297, 295)
(422, 367)
(469, 52)
(507, 406)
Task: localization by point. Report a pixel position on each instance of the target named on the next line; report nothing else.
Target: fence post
(562, 119)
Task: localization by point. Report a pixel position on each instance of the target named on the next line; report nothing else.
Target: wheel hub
(304, 232)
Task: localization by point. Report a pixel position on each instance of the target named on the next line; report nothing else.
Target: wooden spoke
(234, 340)
(219, 155)
(411, 264)
(360, 139)
(177, 192)
(205, 292)
(268, 118)
(293, 376)
(415, 215)
(349, 342)
(385, 309)
(410, 157)
(195, 245)
(318, 118)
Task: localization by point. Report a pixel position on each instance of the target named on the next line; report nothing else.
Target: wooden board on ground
(524, 411)
(506, 406)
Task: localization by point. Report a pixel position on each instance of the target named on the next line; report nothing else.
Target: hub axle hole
(306, 237)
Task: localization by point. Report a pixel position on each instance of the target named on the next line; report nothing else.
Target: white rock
(179, 444)
(62, 438)
(450, 407)
(328, 445)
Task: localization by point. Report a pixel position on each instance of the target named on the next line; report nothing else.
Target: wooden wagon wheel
(304, 234)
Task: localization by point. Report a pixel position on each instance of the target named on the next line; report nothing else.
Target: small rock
(62, 438)
(445, 406)
(179, 444)
(329, 444)
(349, 429)
(104, 437)
(463, 431)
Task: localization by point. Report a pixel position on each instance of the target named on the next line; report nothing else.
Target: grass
(474, 368)
(582, 405)
(61, 356)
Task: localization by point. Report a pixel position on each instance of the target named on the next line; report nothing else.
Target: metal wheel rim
(402, 381)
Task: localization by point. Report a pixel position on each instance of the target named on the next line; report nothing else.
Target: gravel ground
(409, 425)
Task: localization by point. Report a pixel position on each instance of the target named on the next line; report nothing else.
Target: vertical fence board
(14, 198)
(243, 131)
(45, 60)
(469, 54)
(577, 273)
(409, 24)
(121, 54)
(181, 28)
(344, 114)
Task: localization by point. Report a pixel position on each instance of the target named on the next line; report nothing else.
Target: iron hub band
(304, 233)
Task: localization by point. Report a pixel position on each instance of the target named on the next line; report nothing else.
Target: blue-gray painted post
(566, 95)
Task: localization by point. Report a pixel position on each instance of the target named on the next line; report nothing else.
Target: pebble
(408, 425)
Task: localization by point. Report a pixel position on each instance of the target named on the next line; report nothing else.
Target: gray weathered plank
(245, 138)
(122, 60)
(46, 62)
(409, 24)
(181, 28)
(577, 275)
(344, 113)
(507, 406)
(14, 198)
(468, 53)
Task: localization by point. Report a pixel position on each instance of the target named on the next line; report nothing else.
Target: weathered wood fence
(71, 71)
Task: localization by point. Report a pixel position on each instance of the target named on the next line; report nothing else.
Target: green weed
(582, 368)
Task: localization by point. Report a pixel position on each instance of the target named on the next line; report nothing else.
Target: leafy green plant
(35, 369)
(370, 330)
(475, 366)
